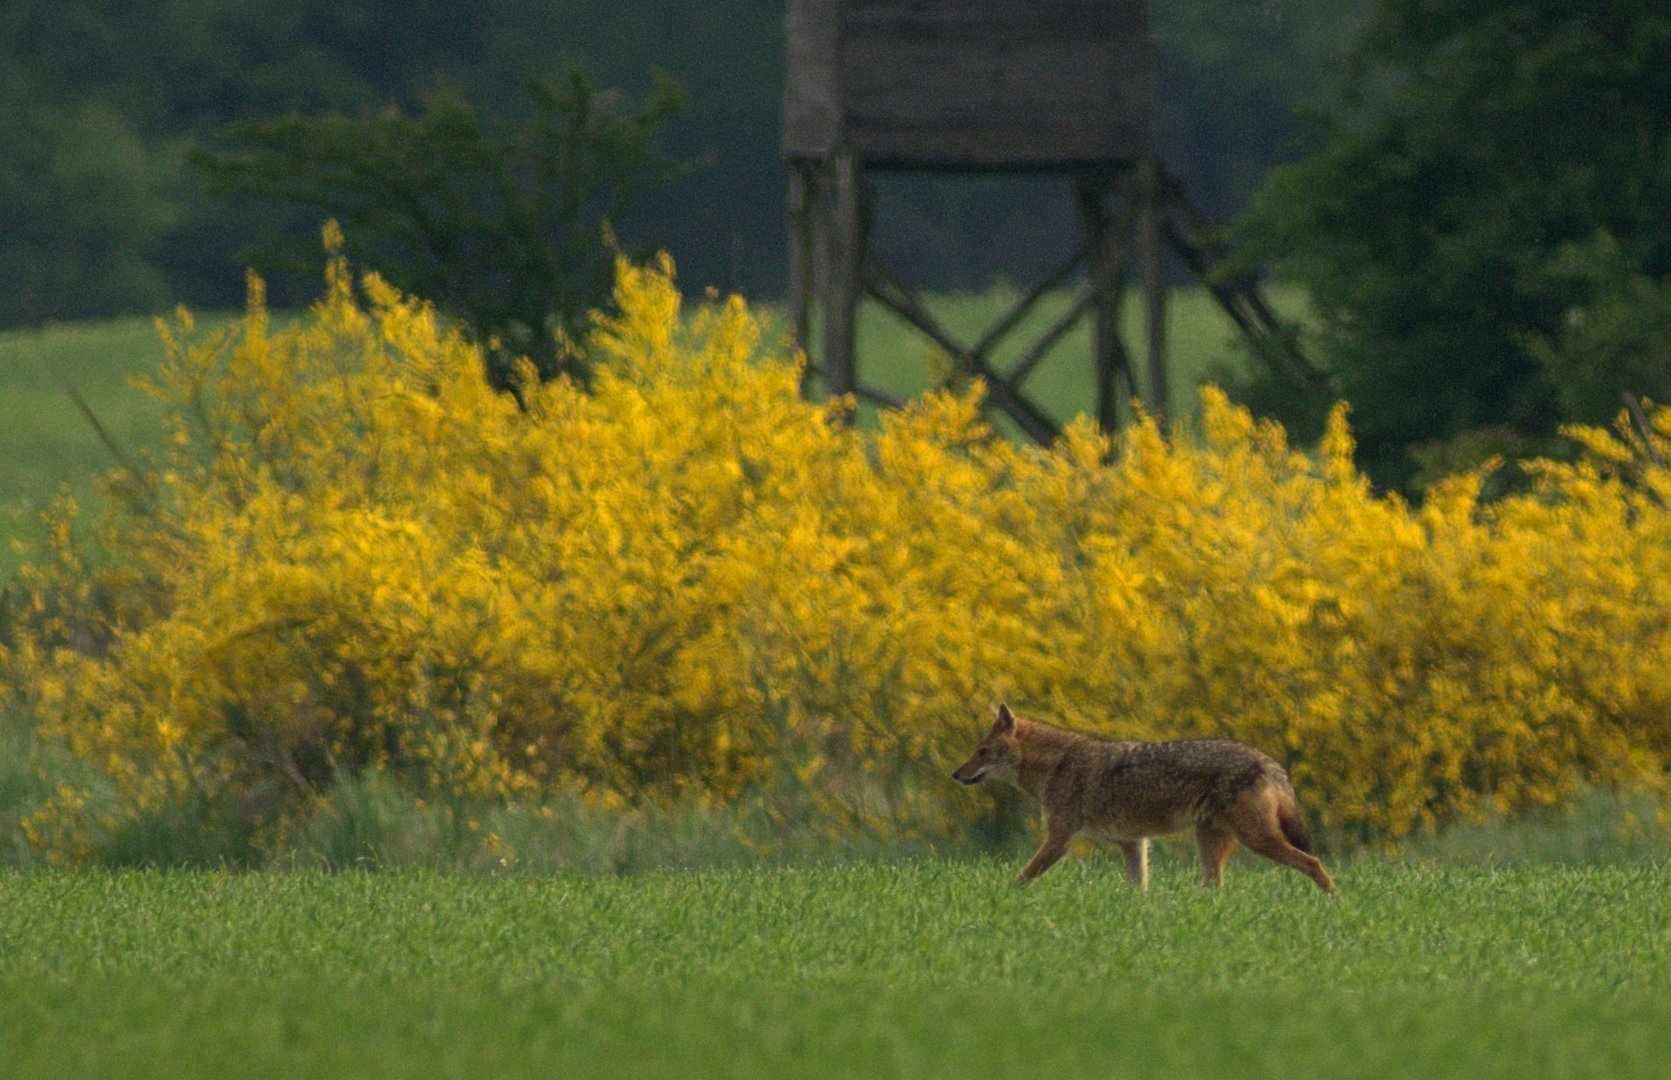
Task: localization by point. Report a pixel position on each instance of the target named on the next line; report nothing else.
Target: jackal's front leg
(1054, 847)
(1137, 861)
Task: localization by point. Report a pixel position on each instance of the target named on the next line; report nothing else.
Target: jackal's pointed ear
(1006, 719)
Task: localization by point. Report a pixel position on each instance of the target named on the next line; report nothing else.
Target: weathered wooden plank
(997, 150)
(969, 83)
(811, 91)
(946, 20)
(1037, 104)
(912, 82)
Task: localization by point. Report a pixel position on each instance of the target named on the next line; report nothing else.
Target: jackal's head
(998, 755)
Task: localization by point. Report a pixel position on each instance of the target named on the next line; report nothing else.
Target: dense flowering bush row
(687, 580)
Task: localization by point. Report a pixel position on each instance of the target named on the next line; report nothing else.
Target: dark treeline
(103, 101)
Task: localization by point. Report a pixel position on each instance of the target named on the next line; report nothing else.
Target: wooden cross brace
(830, 210)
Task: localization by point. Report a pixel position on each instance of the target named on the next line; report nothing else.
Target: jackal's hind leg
(1278, 849)
(1215, 846)
(1268, 840)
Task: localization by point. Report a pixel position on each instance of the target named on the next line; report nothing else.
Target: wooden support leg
(802, 186)
(841, 298)
(1106, 241)
(1152, 227)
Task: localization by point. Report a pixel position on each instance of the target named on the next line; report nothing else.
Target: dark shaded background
(100, 100)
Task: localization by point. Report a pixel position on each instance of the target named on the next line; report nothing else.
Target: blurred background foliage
(1473, 196)
(505, 227)
(1483, 226)
(103, 101)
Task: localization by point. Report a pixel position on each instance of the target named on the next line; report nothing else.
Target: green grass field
(1528, 948)
(926, 968)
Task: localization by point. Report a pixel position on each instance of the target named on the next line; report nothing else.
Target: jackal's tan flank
(1130, 791)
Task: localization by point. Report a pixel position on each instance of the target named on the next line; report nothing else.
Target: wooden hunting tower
(980, 86)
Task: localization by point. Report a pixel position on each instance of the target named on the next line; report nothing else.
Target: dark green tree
(1435, 231)
(503, 225)
(82, 209)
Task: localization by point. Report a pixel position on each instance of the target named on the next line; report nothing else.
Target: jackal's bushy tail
(1288, 816)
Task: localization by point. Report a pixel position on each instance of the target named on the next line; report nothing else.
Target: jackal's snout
(995, 751)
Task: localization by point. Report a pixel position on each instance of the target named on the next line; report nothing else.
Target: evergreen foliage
(1436, 233)
(101, 99)
(507, 230)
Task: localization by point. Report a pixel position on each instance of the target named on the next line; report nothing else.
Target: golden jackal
(1130, 791)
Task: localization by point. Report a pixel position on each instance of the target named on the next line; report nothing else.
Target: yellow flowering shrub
(685, 579)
